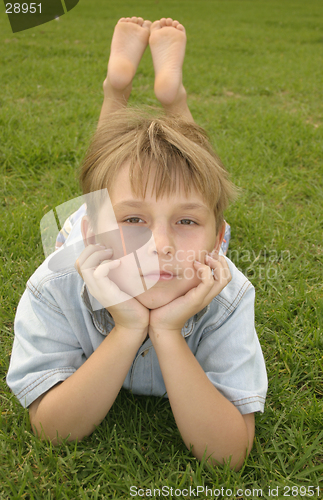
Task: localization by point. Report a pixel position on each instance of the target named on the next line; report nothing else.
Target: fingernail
(108, 250)
(197, 262)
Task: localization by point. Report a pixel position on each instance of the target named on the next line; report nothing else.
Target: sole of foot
(130, 39)
(167, 43)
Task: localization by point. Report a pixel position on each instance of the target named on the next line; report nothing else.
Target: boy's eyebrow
(193, 206)
(182, 206)
(128, 203)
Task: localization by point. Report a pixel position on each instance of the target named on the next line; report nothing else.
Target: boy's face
(183, 229)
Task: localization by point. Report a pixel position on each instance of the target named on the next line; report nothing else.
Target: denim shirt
(56, 331)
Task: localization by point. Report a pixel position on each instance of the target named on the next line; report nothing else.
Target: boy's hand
(173, 316)
(94, 265)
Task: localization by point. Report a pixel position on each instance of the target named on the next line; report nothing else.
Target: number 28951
(25, 8)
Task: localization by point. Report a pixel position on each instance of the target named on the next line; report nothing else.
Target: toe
(155, 25)
(147, 24)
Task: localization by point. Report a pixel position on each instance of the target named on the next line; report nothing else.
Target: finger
(200, 294)
(211, 286)
(77, 267)
(99, 285)
(223, 270)
(96, 257)
(220, 268)
(88, 251)
(204, 273)
(105, 267)
(214, 255)
(222, 277)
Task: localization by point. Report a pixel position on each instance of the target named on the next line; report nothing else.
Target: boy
(190, 334)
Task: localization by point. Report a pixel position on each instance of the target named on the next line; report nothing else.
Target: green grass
(253, 72)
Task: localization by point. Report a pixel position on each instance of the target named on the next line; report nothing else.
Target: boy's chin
(155, 298)
(153, 302)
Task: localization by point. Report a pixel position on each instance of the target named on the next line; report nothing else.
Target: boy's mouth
(160, 275)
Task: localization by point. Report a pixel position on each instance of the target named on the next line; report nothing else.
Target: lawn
(253, 72)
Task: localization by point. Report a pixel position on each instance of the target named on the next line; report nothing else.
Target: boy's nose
(164, 244)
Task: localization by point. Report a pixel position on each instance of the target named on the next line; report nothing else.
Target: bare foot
(130, 39)
(167, 44)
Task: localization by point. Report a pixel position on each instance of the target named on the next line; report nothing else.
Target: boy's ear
(219, 238)
(87, 231)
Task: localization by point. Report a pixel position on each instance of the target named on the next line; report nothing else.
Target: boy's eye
(187, 222)
(133, 220)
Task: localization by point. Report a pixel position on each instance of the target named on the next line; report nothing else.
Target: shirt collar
(190, 324)
(102, 319)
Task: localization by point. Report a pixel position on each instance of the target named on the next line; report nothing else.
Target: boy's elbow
(234, 460)
(246, 442)
(39, 424)
(235, 450)
(48, 428)
(41, 429)
(46, 431)
(238, 459)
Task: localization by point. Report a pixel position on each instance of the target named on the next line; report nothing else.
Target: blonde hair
(175, 149)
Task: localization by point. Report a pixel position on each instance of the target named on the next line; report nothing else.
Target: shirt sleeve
(232, 358)
(45, 349)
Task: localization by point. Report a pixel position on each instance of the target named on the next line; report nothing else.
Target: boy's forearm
(205, 418)
(76, 406)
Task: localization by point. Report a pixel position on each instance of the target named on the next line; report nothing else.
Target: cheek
(186, 257)
(189, 280)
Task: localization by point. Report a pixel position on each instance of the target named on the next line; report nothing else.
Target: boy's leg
(167, 44)
(130, 39)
